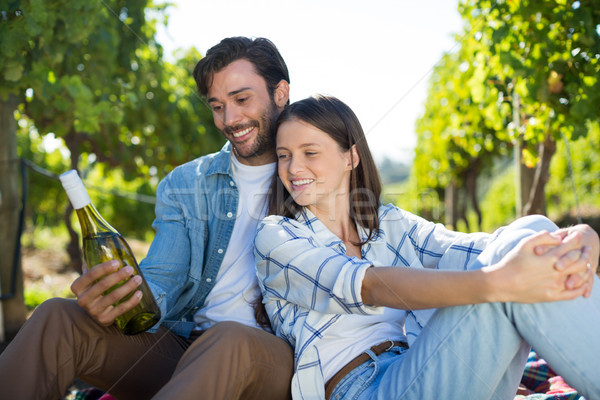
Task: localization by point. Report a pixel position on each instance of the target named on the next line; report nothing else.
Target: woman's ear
(282, 93)
(353, 158)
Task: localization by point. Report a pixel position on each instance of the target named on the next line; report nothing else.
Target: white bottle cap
(75, 190)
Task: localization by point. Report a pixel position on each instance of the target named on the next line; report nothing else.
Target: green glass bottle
(102, 242)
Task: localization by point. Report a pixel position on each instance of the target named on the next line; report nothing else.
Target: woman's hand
(525, 276)
(590, 250)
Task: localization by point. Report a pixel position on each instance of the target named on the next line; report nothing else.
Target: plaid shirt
(307, 279)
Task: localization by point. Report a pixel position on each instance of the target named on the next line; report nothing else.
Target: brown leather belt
(361, 358)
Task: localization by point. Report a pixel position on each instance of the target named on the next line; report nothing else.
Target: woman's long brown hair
(336, 119)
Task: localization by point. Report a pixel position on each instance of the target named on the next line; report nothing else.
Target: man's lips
(241, 133)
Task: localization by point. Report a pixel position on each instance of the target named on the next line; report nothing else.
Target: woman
(343, 281)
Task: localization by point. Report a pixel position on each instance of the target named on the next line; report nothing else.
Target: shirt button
(208, 280)
(231, 183)
(229, 214)
(220, 251)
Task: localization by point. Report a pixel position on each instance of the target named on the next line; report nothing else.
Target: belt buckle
(391, 345)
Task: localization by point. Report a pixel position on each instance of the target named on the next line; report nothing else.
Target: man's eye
(282, 156)
(242, 100)
(216, 108)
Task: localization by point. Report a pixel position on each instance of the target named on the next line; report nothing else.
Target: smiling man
(200, 267)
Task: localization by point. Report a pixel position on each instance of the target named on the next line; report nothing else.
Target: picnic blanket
(545, 384)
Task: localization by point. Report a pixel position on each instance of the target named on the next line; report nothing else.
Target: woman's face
(312, 166)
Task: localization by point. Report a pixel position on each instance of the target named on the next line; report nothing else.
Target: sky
(376, 56)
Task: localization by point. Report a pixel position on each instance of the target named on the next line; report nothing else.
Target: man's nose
(231, 116)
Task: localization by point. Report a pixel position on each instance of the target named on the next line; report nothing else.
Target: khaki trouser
(60, 342)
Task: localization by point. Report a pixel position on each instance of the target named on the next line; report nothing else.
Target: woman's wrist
(491, 282)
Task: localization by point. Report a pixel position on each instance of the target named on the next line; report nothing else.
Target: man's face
(245, 112)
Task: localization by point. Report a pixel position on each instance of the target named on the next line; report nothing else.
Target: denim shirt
(195, 213)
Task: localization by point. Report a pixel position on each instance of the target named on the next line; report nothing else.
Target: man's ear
(353, 158)
(282, 93)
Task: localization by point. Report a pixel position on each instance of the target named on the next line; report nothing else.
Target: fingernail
(558, 265)
(114, 263)
(129, 269)
(137, 279)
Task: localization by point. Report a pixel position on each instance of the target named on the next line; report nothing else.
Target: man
(200, 267)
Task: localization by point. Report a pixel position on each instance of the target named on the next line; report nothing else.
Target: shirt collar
(307, 218)
(221, 163)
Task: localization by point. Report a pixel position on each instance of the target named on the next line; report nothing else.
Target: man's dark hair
(261, 52)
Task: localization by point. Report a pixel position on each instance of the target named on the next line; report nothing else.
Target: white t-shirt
(236, 287)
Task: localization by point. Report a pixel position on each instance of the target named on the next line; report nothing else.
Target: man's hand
(90, 287)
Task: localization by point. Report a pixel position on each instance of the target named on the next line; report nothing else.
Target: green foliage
(584, 153)
(543, 56)
(116, 200)
(95, 94)
(499, 201)
(34, 296)
(37, 294)
(409, 196)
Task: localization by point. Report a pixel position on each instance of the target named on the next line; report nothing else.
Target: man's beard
(265, 139)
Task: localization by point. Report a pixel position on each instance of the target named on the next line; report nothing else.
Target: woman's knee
(535, 223)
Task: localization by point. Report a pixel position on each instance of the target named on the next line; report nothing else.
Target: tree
(459, 135)
(525, 76)
(548, 56)
(92, 74)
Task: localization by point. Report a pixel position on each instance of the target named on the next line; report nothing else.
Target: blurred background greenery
(511, 125)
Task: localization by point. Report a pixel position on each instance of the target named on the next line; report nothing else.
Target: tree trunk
(471, 188)
(523, 174)
(537, 199)
(13, 311)
(461, 213)
(524, 178)
(450, 205)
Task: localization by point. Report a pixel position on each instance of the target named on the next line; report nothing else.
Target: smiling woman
(380, 303)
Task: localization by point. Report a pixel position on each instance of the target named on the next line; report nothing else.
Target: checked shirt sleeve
(295, 267)
(435, 245)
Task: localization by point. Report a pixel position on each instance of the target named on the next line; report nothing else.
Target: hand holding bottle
(90, 287)
(108, 290)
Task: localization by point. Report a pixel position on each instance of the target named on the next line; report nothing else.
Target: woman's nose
(295, 165)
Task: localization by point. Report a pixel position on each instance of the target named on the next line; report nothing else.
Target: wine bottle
(102, 242)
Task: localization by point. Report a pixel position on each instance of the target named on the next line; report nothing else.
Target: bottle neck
(92, 223)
